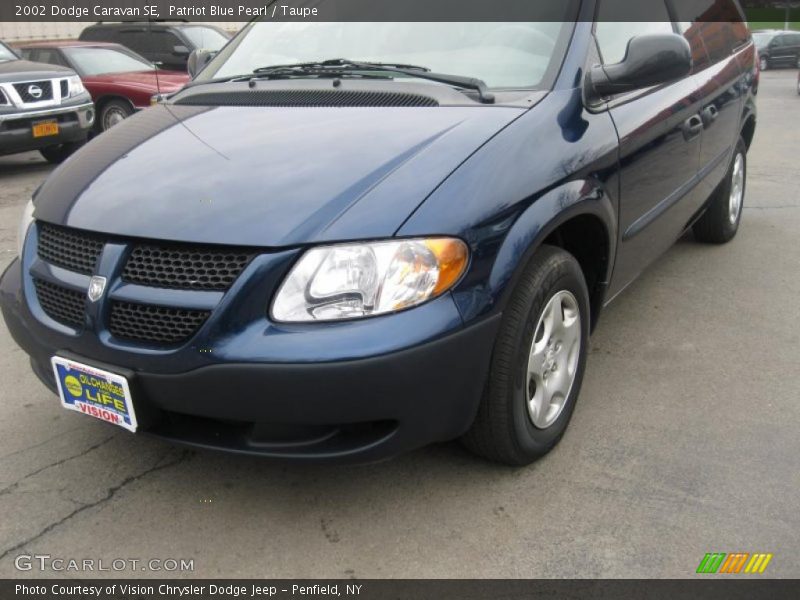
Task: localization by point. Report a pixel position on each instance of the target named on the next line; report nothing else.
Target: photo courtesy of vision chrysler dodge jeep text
(344, 241)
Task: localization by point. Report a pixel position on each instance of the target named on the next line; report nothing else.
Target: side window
(693, 32)
(50, 56)
(164, 42)
(613, 35)
(134, 39)
(718, 22)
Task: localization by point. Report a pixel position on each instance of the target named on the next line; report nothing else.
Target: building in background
(29, 31)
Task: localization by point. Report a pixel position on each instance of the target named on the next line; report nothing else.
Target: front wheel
(113, 113)
(720, 222)
(538, 363)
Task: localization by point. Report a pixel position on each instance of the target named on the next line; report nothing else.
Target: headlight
(75, 86)
(350, 281)
(24, 226)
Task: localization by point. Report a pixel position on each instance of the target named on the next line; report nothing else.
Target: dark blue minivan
(343, 241)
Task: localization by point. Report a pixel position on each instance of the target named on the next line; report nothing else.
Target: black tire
(503, 431)
(58, 154)
(717, 226)
(112, 112)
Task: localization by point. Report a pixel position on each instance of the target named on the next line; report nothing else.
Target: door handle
(710, 114)
(692, 127)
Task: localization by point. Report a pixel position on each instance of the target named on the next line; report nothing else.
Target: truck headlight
(351, 281)
(24, 226)
(76, 87)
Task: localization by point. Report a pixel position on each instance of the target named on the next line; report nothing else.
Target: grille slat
(309, 98)
(61, 304)
(154, 324)
(186, 268)
(24, 91)
(68, 248)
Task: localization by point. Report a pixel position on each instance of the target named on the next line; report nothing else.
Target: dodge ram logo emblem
(97, 285)
(35, 91)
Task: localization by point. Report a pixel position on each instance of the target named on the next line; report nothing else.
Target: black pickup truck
(42, 107)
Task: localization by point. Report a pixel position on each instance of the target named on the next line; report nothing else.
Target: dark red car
(119, 80)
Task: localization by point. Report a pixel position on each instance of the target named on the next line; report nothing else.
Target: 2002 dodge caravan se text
(343, 241)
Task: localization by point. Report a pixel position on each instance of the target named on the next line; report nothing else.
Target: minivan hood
(264, 176)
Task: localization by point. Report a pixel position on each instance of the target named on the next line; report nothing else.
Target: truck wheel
(113, 113)
(537, 364)
(58, 154)
(720, 222)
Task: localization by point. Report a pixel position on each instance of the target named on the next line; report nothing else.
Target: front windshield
(762, 39)
(6, 54)
(504, 55)
(103, 61)
(205, 38)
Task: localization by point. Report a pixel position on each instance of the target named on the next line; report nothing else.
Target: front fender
(540, 220)
(556, 162)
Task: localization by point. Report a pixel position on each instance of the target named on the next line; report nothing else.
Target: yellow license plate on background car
(45, 129)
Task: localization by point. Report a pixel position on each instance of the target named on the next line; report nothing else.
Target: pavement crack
(39, 445)
(10, 488)
(110, 493)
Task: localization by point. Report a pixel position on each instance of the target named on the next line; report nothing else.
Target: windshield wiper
(338, 66)
(337, 62)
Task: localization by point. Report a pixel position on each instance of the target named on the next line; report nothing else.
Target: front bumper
(16, 128)
(366, 391)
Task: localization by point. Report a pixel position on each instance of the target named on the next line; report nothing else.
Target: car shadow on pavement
(29, 163)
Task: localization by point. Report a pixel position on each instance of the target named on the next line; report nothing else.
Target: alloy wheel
(737, 189)
(553, 359)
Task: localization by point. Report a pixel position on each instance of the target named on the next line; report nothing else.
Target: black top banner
(366, 10)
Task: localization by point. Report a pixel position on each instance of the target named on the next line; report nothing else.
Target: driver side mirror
(198, 59)
(650, 60)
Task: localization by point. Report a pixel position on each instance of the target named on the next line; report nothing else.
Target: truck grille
(27, 91)
(69, 248)
(61, 304)
(185, 267)
(64, 88)
(154, 324)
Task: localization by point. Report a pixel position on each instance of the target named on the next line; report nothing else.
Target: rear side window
(164, 42)
(97, 34)
(136, 40)
(613, 36)
(50, 56)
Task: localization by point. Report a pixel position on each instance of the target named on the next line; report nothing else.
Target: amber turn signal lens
(452, 256)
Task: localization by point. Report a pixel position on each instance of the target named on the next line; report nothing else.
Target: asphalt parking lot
(686, 440)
